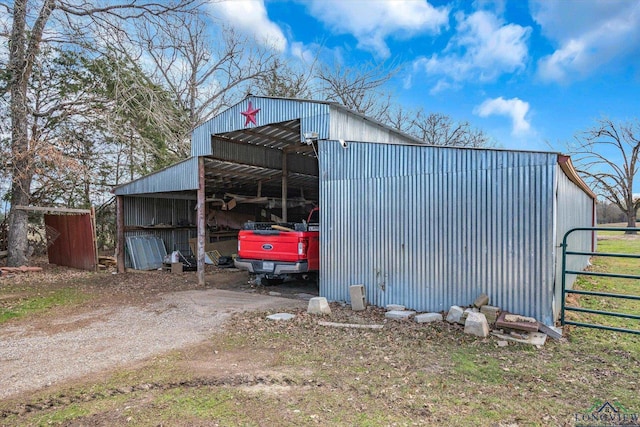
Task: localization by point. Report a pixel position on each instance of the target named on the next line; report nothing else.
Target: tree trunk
(631, 223)
(21, 177)
(22, 55)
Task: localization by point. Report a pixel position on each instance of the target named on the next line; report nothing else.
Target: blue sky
(530, 74)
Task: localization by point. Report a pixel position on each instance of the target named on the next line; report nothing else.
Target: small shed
(418, 225)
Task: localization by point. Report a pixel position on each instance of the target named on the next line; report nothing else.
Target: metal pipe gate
(566, 291)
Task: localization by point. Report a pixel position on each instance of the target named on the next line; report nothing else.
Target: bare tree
(359, 88)
(440, 129)
(203, 76)
(70, 22)
(400, 119)
(286, 81)
(608, 157)
(437, 129)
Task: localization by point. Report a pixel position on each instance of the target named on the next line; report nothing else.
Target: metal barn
(418, 225)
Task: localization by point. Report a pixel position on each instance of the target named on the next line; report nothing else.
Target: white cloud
(250, 17)
(306, 53)
(372, 22)
(588, 35)
(483, 49)
(514, 108)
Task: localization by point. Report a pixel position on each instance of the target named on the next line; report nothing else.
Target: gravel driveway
(74, 346)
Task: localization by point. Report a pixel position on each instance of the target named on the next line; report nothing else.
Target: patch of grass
(63, 415)
(41, 303)
(477, 368)
(612, 225)
(200, 404)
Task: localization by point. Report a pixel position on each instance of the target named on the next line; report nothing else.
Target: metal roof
(245, 155)
(242, 156)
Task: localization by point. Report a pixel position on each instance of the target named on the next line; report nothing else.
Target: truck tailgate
(269, 245)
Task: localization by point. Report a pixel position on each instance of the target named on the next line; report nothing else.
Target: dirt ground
(129, 318)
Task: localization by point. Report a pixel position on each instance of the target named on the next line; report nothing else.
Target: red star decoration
(250, 114)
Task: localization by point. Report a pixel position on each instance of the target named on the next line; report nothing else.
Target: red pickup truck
(272, 252)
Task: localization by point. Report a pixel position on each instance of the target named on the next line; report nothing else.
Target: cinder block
(281, 316)
(454, 315)
(318, 305)
(358, 297)
(477, 325)
(483, 299)
(490, 312)
(395, 307)
(399, 314)
(429, 317)
(463, 318)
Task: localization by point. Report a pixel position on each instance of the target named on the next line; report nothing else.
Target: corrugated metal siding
(75, 245)
(430, 227)
(246, 154)
(352, 127)
(179, 177)
(314, 117)
(574, 209)
(145, 211)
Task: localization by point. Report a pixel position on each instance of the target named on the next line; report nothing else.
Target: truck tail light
(302, 247)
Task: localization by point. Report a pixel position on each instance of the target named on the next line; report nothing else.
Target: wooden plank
(517, 325)
(201, 221)
(284, 186)
(50, 209)
(349, 325)
(21, 269)
(551, 332)
(94, 235)
(120, 233)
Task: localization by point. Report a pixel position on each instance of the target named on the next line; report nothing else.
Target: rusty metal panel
(430, 227)
(72, 241)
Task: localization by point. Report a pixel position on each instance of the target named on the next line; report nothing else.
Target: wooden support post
(94, 236)
(284, 186)
(120, 233)
(201, 220)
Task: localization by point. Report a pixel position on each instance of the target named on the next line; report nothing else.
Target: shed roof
(246, 143)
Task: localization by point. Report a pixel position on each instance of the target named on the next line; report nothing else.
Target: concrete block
(428, 317)
(477, 325)
(490, 312)
(463, 318)
(176, 267)
(358, 297)
(318, 305)
(281, 316)
(454, 314)
(399, 314)
(395, 307)
(483, 299)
